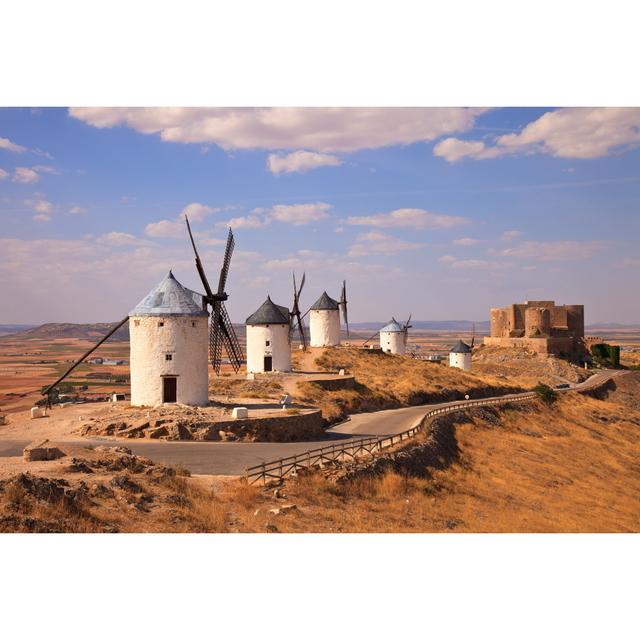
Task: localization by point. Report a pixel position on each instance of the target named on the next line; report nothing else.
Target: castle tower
(460, 356)
(268, 339)
(324, 322)
(392, 338)
(169, 345)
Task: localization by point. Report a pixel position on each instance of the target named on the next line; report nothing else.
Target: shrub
(546, 393)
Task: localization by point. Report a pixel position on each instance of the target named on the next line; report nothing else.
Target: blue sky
(440, 212)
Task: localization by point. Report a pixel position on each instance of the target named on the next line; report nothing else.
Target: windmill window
(136, 323)
(161, 324)
(268, 343)
(193, 324)
(168, 357)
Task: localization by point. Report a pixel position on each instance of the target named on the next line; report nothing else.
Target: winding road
(231, 458)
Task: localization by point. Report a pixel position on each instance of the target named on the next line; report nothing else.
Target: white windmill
(461, 353)
(324, 319)
(268, 339)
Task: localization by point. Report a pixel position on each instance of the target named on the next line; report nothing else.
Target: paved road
(231, 458)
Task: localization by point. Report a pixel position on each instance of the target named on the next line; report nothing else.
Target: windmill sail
(343, 305)
(221, 331)
(294, 315)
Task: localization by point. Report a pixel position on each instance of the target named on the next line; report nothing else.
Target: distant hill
(6, 329)
(53, 330)
(429, 325)
(612, 326)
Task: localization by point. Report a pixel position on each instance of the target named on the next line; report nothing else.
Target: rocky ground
(525, 367)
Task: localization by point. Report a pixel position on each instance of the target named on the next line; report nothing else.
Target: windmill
(221, 331)
(294, 315)
(343, 305)
(406, 327)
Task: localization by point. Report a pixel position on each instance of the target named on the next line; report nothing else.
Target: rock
(37, 412)
(38, 452)
(271, 528)
(239, 413)
(283, 510)
(156, 432)
(256, 512)
(98, 490)
(179, 431)
(227, 436)
(79, 465)
(125, 483)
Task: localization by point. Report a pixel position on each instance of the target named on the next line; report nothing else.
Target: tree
(546, 393)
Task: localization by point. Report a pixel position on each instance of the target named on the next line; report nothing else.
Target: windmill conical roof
(324, 303)
(169, 298)
(269, 313)
(393, 327)
(460, 347)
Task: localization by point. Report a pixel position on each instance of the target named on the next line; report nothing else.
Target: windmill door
(268, 363)
(169, 389)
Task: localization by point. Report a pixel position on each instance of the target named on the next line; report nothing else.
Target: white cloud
(3, 174)
(195, 211)
(576, 132)
(42, 217)
(412, 218)
(375, 242)
(46, 168)
(166, 229)
(39, 205)
(6, 144)
(553, 250)
(300, 162)
(118, 239)
(77, 210)
(300, 214)
(466, 242)
(631, 262)
(475, 264)
(447, 259)
(246, 222)
(25, 175)
(512, 234)
(331, 129)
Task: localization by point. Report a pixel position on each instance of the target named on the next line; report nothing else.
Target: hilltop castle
(541, 326)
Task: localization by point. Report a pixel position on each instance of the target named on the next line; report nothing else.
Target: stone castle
(540, 326)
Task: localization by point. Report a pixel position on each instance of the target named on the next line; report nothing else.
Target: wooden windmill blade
(343, 305)
(224, 272)
(227, 337)
(221, 333)
(295, 317)
(51, 387)
(199, 267)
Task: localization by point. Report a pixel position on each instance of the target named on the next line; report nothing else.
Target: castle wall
(539, 325)
(268, 340)
(392, 342)
(185, 339)
(324, 327)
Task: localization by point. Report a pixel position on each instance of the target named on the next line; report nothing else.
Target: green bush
(546, 393)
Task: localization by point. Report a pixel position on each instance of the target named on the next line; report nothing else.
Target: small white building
(324, 322)
(169, 347)
(460, 356)
(268, 339)
(393, 338)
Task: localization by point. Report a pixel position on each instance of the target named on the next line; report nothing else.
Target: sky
(439, 212)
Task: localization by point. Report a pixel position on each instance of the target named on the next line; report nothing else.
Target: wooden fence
(359, 447)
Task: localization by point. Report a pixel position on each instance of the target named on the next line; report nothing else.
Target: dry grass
(573, 467)
(385, 381)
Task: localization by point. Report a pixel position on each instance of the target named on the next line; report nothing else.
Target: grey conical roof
(392, 327)
(460, 347)
(169, 298)
(269, 313)
(324, 303)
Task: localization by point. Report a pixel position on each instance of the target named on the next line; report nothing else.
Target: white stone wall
(393, 342)
(279, 347)
(324, 327)
(187, 340)
(460, 361)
